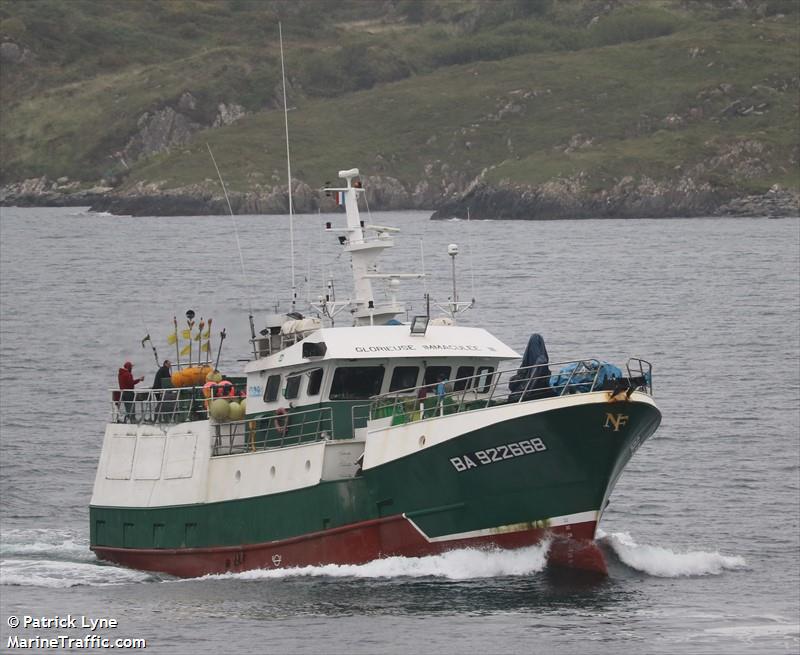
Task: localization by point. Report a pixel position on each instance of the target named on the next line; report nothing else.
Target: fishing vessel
(354, 433)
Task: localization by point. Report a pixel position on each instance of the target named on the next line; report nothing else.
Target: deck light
(419, 325)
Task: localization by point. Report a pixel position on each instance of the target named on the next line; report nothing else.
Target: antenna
(452, 250)
(471, 267)
(455, 306)
(288, 169)
(230, 209)
(422, 257)
(238, 243)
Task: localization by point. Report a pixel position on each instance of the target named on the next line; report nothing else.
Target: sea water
(703, 530)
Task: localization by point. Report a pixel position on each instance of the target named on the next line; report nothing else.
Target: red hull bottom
(572, 547)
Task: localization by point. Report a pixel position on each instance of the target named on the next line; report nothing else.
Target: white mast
(288, 171)
(364, 252)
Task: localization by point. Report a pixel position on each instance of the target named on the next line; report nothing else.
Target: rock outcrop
(159, 131)
(170, 126)
(15, 54)
(44, 192)
(628, 198)
(775, 203)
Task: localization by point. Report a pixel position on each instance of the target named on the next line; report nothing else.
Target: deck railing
(273, 431)
(507, 386)
(170, 406)
(173, 405)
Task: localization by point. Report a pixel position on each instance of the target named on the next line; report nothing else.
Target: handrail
(510, 386)
(272, 431)
(182, 404)
(169, 405)
(644, 369)
(359, 415)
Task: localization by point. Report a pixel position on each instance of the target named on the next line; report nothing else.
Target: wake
(662, 562)
(61, 558)
(56, 559)
(464, 564)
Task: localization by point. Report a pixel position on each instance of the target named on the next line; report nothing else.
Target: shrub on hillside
(508, 41)
(774, 7)
(352, 68)
(633, 24)
(541, 36)
(13, 27)
(498, 12)
(189, 31)
(478, 47)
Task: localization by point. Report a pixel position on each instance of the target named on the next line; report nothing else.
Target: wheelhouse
(344, 367)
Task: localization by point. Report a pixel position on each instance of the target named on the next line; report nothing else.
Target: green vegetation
(525, 90)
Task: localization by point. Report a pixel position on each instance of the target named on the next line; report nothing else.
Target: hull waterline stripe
(568, 519)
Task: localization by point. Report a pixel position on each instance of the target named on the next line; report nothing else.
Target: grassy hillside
(526, 91)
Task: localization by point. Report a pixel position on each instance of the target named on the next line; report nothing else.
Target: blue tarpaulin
(580, 376)
(535, 356)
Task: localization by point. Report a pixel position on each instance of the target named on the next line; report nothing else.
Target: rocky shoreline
(645, 198)
(554, 200)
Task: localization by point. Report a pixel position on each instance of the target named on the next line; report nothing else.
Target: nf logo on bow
(616, 421)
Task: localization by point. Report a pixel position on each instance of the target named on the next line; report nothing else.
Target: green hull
(526, 470)
(576, 473)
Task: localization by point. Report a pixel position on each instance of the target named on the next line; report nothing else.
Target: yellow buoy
(235, 411)
(219, 409)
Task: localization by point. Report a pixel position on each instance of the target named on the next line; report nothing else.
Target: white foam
(665, 562)
(462, 564)
(57, 544)
(55, 558)
(758, 631)
(44, 573)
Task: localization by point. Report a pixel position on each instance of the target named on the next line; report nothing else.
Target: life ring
(225, 389)
(280, 421)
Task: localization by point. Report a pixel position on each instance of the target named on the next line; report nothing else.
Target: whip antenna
(288, 168)
(236, 233)
(422, 260)
(471, 267)
(230, 210)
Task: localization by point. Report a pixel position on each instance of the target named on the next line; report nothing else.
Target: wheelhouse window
(314, 382)
(273, 386)
(484, 381)
(404, 377)
(433, 373)
(464, 372)
(356, 382)
(292, 387)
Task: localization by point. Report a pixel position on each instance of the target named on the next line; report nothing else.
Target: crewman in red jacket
(126, 384)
